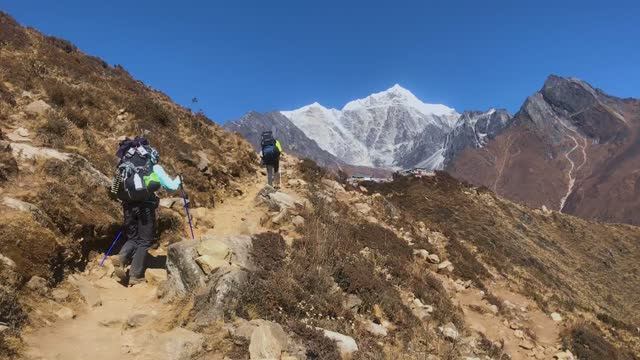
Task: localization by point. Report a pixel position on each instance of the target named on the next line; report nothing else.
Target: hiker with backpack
(271, 151)
(139, 176)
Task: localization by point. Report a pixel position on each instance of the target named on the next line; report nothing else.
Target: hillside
(61, 115)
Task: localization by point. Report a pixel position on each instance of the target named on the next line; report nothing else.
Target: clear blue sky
(236, 56)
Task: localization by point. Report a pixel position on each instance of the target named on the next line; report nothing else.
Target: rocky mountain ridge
(390, 129)
(571, 147)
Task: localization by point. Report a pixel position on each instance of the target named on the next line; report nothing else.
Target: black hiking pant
(139, 225)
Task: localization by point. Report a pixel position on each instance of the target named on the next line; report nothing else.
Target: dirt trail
(130, 322)
(99, 333)
(239, 216)
(527, 333)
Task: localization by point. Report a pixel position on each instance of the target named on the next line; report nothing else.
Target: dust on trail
(103, 332)
(239, 216)
(499, 328)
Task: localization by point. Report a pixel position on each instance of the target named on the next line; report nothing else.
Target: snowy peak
(398, 96)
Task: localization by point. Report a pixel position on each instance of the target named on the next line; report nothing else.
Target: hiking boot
(119, 269)
(135, 281)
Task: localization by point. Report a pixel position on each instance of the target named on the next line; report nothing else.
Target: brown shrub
(150, 111)
(32, 247)
(63, 95)
(6, 95)
(8, 164)
(311, 172)
(356, 275)
(54, 129)
(431, 291)
(619, 324)
(318, 346)
(11, 33)
(62, 44)
(587, 342)
(293, 288)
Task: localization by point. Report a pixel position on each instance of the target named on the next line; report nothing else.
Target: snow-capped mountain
(379, 130)
(391, 129)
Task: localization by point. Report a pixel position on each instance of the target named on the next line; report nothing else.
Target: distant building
(415, 172)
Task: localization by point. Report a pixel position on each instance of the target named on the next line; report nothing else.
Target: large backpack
(270, 151)
(133, 174)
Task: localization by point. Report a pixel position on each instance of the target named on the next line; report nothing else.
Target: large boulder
(37, 107)
(346, 344)
(181, 343)
(267, 341)
(183, 273)
(278, 200)
(211, 269)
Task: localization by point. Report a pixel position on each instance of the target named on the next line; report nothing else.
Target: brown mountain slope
(565, 263)
(571, 147)
(61, 114)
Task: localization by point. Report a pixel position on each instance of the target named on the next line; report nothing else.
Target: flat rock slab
(89, 293)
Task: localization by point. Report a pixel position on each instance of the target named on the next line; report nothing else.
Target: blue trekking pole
(186, 207)
(106, 255)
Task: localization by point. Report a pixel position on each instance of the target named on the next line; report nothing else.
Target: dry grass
(311, 172)
(562, 261)
(587, 342)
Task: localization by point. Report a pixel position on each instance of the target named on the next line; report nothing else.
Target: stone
(494, 309)
(3, 328)
(203, 161)
(363, 208)
(564, 355)
(352, 302)
(298, 221)
(181, 344)
(184, 275)
(519, 334)
(346, 344)
(445, 265)
(29, 152)
(155, 276)
(210, 264)
(137, 320)
(556, 317)
(214, 247)
(281, 217)
(37, 107)
(268, 341)
(7, 262)
(280, 200)
(209, 303)
(59, 295)
(450, 332)
(19, 135)
(375, 329)
(296, 183)
(89, 293)
(421, 253)
(333, 185)
(38, 284)
(64, 313)
(171, 202)
(202, 217)
(372, 219)
(527, 345)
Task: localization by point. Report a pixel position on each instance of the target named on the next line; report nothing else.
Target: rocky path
(525, 330)
(117, 322)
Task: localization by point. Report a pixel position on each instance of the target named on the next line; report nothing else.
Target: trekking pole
(186, 207)
(106, 255)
